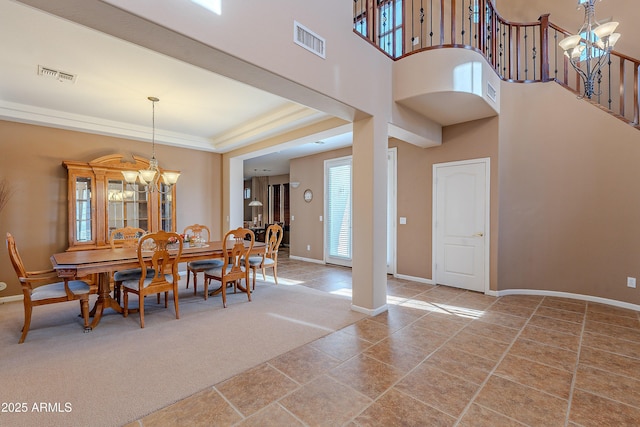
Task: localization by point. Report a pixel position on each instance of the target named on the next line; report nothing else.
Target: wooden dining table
(103, 262)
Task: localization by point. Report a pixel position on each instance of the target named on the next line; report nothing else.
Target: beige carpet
(120, 372)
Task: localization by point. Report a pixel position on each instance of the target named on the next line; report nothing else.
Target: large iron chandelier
(150, 177)
(589, 49)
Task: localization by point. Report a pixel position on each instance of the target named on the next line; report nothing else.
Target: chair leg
(175, 301)
(254, 276)
(125, 311)
(188, 275)
(27, 323)
(275, 273)
(117, 291)
(195, 282)
(141, 304)
(264, 274)
(84, 308)
(166, 297)
(224, 294)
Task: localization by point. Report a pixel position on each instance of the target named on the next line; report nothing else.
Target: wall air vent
(491, 92)
(55, 74)
(309, 40)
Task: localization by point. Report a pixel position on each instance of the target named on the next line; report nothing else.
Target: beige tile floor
(438, 357)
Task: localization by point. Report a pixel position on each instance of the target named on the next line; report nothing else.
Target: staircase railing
(519, 52)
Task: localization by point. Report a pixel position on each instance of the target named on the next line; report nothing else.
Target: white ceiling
(197, 108)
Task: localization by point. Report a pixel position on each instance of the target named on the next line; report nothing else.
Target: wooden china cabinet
(100, 200)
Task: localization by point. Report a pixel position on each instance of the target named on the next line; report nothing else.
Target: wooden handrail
(520, 52)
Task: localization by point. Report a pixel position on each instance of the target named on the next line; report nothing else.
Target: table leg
(104, 299)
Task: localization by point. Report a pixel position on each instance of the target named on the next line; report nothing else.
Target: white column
(369, 215)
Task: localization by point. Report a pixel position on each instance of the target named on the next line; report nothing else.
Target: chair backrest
(16, 260)
(198, 230)
(237, 248)
(272, 241)
(126, 237)
(162, 261)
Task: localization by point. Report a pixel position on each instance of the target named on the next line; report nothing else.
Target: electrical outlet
(631, 282)
(308, 247)
(416, 41)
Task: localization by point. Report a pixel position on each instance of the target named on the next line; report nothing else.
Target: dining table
(103, 262)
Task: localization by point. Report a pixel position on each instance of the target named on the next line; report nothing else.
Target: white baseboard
(11, 298)
(581, 297)
(414, 279)
(368, 311)
(299, 258)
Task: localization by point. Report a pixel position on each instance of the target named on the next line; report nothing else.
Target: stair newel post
(544, 47)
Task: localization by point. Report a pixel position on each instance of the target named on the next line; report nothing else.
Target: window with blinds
(338, 215)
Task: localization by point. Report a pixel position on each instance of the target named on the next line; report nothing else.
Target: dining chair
(44, 287)
(125, 237)
(268, 258)
(195, 267)
(155, 247)
(235, 264)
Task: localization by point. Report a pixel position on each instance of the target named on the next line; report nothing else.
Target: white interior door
(461, 227)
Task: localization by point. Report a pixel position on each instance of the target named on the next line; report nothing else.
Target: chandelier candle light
(589, 50)
(150, 177)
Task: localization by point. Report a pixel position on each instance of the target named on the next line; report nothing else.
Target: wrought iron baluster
(555, 55)
(534, 53)
(488, 48)
(507, 51)
(609, 72)
(462, 21)
(526, 57)
(431, 22)
(421, 24)
(501, 55)
(470, 21)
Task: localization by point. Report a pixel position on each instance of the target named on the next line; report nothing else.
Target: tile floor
(438, 357)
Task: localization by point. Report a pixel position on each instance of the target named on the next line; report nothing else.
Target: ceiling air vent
(309, 40)
(55, 74)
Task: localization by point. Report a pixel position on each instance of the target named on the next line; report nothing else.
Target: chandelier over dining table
(150, 177)
(588, 50)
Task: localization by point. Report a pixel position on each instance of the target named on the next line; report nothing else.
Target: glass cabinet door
(83, 216)
(166, 209)
(127, 206)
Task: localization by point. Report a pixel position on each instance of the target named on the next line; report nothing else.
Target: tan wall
(36, 215)
(476, 139)
(306, 228)
(279, 179)
(569, 195)
(415, 170)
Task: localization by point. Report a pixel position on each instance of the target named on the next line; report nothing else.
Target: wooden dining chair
(125, 237)
(268, 258)
(44, 287)
(195, 267)
(163, 260)
(235, 267)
